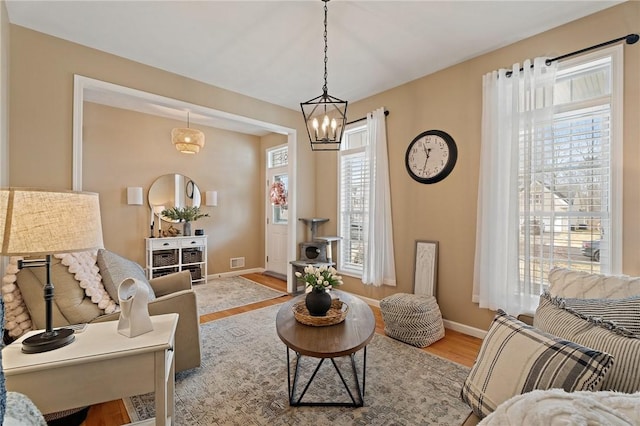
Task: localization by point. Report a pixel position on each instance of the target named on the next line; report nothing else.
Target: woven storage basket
(191, 256)
(162, 272)
(412, 318)
(196, 272)
(164, 258)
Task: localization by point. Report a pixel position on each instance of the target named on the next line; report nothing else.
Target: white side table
(100, 365)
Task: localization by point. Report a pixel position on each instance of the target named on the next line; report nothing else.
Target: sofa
(575, 358)
(85, 291)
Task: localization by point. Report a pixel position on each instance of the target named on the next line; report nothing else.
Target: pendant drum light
(186, 139)
(325, 116)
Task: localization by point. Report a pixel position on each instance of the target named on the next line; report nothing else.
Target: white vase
(134, 310)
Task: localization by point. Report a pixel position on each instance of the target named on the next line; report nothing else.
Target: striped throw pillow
(618, 313)
(516, 358)
(625, 372)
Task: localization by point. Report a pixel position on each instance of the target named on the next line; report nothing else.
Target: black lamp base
(47, 341)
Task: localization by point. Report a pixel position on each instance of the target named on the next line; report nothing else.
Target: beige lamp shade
(187, 140)
(40, 222)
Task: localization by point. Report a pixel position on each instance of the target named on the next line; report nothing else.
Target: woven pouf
(412, 318)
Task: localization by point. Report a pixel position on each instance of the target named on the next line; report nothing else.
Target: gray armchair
(173, 294)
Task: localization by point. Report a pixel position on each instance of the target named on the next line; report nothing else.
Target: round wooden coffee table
(327, 342)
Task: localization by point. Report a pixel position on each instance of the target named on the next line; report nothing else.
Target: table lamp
(41, 222)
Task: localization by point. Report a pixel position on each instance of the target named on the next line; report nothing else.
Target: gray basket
(196, 272)
(164, 258)
(191, 256)
(163, 272)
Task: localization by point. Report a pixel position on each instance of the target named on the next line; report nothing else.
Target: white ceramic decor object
(134, 312)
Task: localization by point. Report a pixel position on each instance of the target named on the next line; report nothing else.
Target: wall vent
(237, 262)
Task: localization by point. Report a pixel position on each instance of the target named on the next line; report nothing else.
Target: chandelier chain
(324, 88)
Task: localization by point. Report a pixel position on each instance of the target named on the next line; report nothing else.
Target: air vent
(237, 262)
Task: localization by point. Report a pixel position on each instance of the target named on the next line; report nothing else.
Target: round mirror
(173, 190)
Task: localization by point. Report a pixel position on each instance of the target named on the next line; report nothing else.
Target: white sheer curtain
(514, 109)
(379, 263)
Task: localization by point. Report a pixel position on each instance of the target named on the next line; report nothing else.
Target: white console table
(167, 255)
(100, 365)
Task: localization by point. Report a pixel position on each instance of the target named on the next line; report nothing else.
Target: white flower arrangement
(320, 278)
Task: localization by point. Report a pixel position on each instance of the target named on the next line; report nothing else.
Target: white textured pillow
(83, 266)
(16, 316)
(557, 407)
(584, 285)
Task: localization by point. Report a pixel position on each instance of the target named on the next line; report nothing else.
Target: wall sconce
(134, 195)
(211, 198)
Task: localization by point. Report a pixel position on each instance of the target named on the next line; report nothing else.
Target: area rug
(219, 294)
(243, 381)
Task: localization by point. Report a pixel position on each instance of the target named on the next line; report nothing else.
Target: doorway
(102, 92)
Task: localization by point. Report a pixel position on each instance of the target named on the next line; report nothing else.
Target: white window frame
(616, 147)
(343, 268)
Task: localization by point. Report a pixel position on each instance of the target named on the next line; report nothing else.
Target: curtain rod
(629, 39)
(364, 118)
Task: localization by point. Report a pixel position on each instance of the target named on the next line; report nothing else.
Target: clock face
(431, 156)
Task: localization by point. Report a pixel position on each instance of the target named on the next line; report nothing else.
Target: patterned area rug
(219, 294)
(243, 381)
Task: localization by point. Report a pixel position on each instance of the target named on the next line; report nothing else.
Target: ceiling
(273, 50)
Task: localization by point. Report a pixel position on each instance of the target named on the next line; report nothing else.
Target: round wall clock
(431, 156)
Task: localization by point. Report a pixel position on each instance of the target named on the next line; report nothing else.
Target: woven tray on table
(336, 314)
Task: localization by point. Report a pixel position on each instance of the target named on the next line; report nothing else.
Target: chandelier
(325, 116)
(187, 140)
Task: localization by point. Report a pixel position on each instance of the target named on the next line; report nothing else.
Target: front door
(277, 211)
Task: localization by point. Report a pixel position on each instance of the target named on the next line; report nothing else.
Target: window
(568, 185)
(353, 202)
(278, 157)
(277, 162)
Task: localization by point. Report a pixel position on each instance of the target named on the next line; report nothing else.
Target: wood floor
(455, 346)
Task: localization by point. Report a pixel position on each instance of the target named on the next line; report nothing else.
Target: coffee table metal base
(359, 390)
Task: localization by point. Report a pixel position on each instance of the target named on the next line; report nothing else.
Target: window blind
(353, 200)
(565, 180)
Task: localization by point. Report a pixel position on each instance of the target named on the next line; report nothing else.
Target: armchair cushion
(70, 304)
(115, 269)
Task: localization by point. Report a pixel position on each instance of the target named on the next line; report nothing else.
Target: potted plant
(320, 279)
(185, 214)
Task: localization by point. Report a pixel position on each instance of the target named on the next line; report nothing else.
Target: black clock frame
(451, 162)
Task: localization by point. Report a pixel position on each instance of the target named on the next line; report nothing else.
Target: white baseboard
(235, 273)
(451, 325)
(368, 301)
(464, 329)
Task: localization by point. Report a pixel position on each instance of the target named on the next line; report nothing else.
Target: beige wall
(41, 106)
(4, 86)
(4, 110)
(124, 148)
(41, 145)
(450, 100)
(42, 69)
